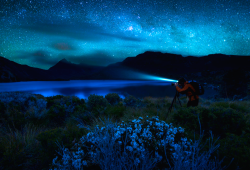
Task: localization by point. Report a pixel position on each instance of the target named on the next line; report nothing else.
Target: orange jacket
(188, 89)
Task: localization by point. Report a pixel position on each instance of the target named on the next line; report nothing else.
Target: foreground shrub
(15, 97)
(85, 118)
(113, 98)
(56, 115)
(53, 100)
(13, 117)
(136, 137)
(220, 120)
(231, 125)
(68, 135)
(196, 159)
(62, 108)
(96, 103)
(130, 101)
(237, 147)
(21, 108)
(36, 111)
(122, 147)
(107, 156)
(19, 149)
(116, 111)
(239, 106)
(48, 139)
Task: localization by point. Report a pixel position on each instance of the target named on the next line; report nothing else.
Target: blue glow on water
(83, 88)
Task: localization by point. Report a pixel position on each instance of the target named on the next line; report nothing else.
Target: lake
(84, 88)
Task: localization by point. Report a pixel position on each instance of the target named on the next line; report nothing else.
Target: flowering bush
(37, 108)
(27, 102)
(16, 97)
(195, 159)
(19, 108)
(126, 145)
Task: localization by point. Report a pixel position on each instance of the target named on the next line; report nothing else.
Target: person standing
(184, 87)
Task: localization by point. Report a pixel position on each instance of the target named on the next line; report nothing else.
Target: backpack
(199, 90)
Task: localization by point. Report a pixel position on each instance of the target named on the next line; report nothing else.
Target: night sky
(39, 33)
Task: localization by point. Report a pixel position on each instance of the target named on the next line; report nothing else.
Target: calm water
(84, 88)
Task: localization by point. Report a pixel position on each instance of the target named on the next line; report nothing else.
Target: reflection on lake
(84, 88)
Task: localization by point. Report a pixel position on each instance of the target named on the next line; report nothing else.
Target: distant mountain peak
(64, 61)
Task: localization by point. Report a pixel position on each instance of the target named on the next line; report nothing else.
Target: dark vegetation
(34, 130)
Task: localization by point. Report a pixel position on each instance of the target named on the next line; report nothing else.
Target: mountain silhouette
(67, 70)
(174, 66)
(64, 70)
(12, 72)
(207, 68)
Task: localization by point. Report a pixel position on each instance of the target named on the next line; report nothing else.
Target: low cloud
(62, 46)
(38, 57)
(43, 58)
(98, 58)
(83, 31)
(131, 46)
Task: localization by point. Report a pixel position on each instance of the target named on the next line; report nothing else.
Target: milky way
(39, 33)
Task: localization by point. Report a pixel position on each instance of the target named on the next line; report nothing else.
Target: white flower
(137, 161)
(54, 160)
(84, 163)
(77, 163)
(158, 156)
(184, 139)
(122, 130)
(134, 144)
(129, 148)
(175, 130)
(140, 149)
(130, 129)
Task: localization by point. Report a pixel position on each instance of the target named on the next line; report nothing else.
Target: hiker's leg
(196, 102)
(193, 103)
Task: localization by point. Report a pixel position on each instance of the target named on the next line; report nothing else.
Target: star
(113, 30)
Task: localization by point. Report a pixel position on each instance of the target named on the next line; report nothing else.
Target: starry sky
(40, 33)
